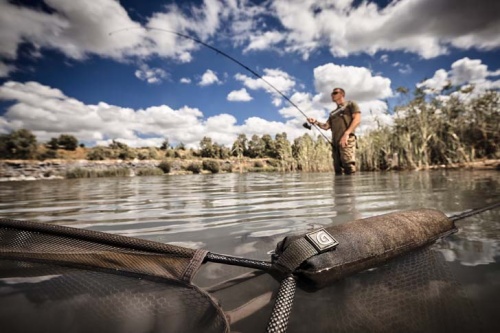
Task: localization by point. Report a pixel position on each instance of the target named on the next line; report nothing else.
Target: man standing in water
(342, 121)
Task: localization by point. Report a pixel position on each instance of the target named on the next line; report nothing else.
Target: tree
(207, 148)
(256, 147)
(18, 144)
(165, 145)
(53, 144)
(240, 146)
(283, 147)
(68, 142)
(269, 146)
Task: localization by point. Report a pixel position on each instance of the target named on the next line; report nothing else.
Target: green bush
(165, 166)
(93, 173)
(227, 167)
(127, 154)
(142, 155)
(67, 142)
(99, 153)
(194, 167)
(212, 166)
(170, 153)
(153, 153)
(20, 144)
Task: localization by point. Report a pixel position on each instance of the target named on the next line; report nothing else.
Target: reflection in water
(477, 242)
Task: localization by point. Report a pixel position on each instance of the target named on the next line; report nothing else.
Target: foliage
(97, 173)
(20, 144)
(239, 148)
(211, 165)
(165, 166)
(435, 130)
(53, 144)
(213, 150)
(194, 167)
(67, 142)
(99, 153)
(427, 130)
(165, 144)
(256, 147)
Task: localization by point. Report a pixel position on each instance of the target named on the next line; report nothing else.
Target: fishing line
(218, 51)
(471, 212)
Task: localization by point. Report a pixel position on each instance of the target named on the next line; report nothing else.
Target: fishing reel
(307, 125)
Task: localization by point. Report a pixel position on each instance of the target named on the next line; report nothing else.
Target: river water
(245, 214)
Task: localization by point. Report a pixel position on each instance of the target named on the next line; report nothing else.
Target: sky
(106, 70)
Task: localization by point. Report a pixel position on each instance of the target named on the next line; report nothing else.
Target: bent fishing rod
(218, 51)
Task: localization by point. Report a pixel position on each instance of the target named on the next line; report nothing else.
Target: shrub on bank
(94, 173)
(99, 153)
(194, 167)
(165, 166)
(212, 166)
(227, 167)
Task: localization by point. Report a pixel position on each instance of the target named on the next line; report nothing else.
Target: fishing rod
(218, 51)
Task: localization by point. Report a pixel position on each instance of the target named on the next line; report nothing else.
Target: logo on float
(321, 240)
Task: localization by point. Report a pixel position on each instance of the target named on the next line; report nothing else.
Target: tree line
(427, 131)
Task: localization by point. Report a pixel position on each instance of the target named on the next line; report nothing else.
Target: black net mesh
(53, 280)
(413, 293)
(31, 240)
(56, 279)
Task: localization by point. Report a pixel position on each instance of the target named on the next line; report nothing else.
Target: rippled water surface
(226, 212)
(246, 214)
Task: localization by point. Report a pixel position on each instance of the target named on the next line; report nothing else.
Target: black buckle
(322, 240)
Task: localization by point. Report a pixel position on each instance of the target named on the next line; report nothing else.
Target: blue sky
(106, 70)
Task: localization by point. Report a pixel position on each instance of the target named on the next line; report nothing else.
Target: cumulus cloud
(239, 96)
(276, 78)
(209, 78)
(264, 41)
(104, 27)
(150, 75)
(185, 80)
(463, 71)
(358, 82)
(48, 113)
(425, 27)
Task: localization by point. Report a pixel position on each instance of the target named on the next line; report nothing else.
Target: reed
(97, 173)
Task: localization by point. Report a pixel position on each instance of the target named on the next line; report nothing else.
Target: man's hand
(343, 140)
(311, 121)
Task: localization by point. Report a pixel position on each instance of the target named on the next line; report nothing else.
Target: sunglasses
(335, 92)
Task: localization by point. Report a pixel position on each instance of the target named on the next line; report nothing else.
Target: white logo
(323, 238)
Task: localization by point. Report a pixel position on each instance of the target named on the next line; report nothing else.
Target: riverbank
(28, 170)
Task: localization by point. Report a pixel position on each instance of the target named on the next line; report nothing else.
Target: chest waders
(343, 157)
